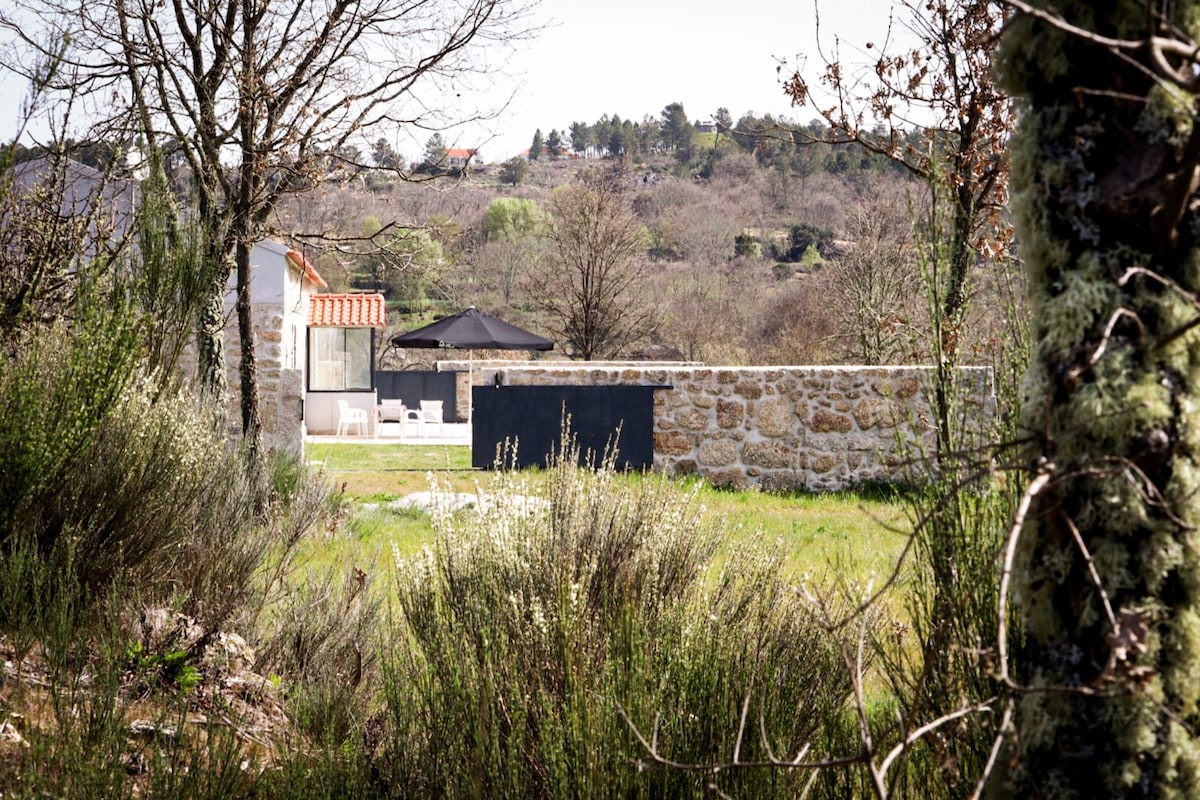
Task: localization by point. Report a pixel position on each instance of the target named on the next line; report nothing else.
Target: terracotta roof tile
(358, 310)
(301, 263)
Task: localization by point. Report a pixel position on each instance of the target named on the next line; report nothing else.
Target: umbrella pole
(470, 386)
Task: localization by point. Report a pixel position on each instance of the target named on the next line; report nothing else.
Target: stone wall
(818, 428)
(280, 385)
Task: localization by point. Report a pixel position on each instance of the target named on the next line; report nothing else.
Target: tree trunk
(1107, 575)
(211, 348)
(248, 370)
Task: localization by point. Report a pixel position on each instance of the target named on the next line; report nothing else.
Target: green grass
(861, 534)
(858, 535)
(387, 471)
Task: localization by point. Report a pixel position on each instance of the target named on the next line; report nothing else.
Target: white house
(341, 356)
(312, 349)
(461, 158)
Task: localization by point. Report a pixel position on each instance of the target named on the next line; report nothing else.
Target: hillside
(744, 259)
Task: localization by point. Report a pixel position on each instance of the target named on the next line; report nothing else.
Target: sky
(632, 58)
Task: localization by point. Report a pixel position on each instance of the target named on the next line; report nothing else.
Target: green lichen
(1182, 677)
(1072, 312)
(1160, 555)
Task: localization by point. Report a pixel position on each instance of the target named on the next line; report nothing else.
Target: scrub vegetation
(185, 616)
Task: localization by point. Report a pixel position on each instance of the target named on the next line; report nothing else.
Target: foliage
(677, 131)
(804, 235)
(510, 219)
(434, 156)
(170, 273)
(746, 246)
(402, 263)
(514, 171)
(173, 669)
(324, 638)
(384, 155)
(534, 629)
(56, 394)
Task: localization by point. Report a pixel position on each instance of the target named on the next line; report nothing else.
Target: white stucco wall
(279, 296)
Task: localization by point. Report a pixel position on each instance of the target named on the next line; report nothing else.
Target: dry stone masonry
(280, 382)
(817, 428)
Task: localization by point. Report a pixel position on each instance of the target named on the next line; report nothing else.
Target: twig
(994, 753)
(1033, 490)
(1108, 331)
(928, 727)
(1091, 565)
(660, 760)
(1190, 297)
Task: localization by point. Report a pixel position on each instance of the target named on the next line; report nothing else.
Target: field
(860, 534)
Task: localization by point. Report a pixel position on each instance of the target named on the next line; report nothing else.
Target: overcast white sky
(633, 57)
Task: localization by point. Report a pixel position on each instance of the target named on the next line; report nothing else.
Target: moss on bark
(1109, 674)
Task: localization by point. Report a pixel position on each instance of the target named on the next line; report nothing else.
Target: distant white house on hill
(461, 158)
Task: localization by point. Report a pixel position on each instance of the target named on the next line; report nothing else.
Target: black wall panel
(533, 416)
(412, 387)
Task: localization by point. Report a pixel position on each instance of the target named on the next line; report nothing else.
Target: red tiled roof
(358, 310)
(457, 152)
(301, 263)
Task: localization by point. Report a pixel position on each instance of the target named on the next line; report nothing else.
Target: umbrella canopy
(472, 329)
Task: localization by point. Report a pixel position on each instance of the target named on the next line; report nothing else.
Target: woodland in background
(766, 242)
(776, 248)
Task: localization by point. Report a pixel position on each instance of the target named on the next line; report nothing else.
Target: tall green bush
(536, 632)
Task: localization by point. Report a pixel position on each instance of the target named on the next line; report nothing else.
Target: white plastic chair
(390, 410)
(412, 416)
(349, 417)
(431, 411)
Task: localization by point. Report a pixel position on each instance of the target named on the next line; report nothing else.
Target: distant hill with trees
(761, 240)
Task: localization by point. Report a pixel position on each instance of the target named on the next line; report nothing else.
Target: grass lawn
(856, 535)
(383, 472)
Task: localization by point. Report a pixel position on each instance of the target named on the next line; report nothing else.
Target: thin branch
(657, 759)
(1032, 491)
(916, 735)
(994, 753)
(1091, 566)
(1108, 331)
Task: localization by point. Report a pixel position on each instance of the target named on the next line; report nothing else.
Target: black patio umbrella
(472, 329)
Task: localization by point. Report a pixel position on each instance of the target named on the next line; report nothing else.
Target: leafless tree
(943, 86)
(875, 285)
(260, 100)
(591, 284)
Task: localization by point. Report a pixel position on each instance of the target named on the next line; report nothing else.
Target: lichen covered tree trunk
(1107, 670)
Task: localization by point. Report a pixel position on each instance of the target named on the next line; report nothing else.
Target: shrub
(534, 625)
